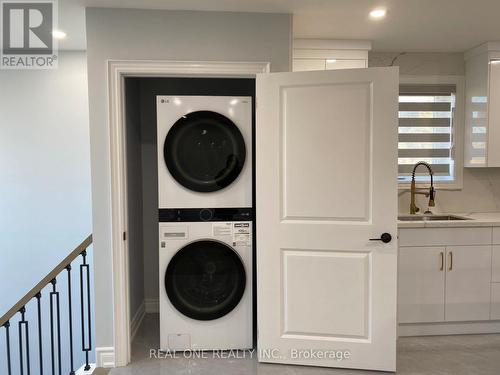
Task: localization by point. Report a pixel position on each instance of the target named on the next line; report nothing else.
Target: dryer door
(204, 151)
(205, 280)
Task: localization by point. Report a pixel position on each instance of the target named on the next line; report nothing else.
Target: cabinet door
(421, 284)
(468, 283)
(493, 148)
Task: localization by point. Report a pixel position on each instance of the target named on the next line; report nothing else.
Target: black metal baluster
(24, 322)
(72, 367)
(7, 344)
(85, 348)
(55, 294)
(40, 339)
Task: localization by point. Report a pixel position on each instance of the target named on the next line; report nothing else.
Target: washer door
(204, 151)
(205, 280)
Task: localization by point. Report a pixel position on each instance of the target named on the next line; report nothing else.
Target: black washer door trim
(205, 280)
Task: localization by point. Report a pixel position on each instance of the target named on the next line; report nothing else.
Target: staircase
(54, 322)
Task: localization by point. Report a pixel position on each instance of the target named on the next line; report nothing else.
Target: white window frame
(458, 128)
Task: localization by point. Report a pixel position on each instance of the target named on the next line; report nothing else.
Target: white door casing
(326, 182)
(117, 70)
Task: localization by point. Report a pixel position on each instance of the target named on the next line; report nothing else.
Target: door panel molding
(309, 240)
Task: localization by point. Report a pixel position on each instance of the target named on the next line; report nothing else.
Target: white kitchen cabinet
(482, 124)
(437, 298)
(421, 283)
(468, 283)
(437, 284)
(301, 65)
(328, 54)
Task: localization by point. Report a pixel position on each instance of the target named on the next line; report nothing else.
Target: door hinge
(124, 236)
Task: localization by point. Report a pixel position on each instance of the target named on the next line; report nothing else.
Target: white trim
(137, 319)
(117, 70)
(329, 54)
(152, 306)
(459, 127)
(448, 328)
(81, 370)
(105, 356)
(338, 44)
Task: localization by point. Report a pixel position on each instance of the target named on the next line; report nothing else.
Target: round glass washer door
(204, 151)
(205, 280)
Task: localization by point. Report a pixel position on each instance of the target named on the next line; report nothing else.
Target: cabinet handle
(451, 261)
(442, 261)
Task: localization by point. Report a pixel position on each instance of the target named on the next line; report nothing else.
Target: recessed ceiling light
(378, 13)
(58, 34)
(331, 61)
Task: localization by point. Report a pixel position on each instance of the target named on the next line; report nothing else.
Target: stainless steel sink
(431, 218)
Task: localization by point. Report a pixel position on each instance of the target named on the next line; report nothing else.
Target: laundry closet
(190, 185)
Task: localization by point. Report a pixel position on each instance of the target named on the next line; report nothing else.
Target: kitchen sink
(431, 218)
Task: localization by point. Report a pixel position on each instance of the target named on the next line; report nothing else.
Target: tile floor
(440, 355)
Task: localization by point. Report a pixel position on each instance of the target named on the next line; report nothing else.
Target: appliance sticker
(222, 229)
(241, 234)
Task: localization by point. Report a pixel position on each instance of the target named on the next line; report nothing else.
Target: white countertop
(486, 219)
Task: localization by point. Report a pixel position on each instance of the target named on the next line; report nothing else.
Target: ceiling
(410, 25)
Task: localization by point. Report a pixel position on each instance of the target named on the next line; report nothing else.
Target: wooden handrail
(46, 280)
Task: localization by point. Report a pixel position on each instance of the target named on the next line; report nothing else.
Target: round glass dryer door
(204, 151)
(205, 280)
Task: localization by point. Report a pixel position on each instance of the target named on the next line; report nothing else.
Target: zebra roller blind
(426, 130)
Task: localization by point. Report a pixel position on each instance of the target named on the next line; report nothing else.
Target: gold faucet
(431, 194)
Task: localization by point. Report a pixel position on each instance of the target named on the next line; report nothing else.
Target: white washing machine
(206, 285)
(204, 151)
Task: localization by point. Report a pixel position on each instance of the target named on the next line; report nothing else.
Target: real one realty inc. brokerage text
(338, 355)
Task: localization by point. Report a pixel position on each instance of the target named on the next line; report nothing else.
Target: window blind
(426, 131)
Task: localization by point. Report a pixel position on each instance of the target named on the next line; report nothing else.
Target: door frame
(117, 70)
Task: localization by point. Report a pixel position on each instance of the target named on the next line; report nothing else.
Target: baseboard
(449, 328)
(136, 321)
(81, 370)
(152, 305)
(105, 356)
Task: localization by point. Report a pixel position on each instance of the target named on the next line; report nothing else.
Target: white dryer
(204, 151)
(206, 285)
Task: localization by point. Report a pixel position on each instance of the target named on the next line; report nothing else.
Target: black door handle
(385, 238)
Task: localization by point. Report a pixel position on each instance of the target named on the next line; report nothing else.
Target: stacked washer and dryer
(205, 222)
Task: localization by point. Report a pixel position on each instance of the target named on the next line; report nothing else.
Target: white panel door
(468, 283)
(326, 184)
(421, 274)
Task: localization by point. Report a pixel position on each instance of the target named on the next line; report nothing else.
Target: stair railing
(20, 307)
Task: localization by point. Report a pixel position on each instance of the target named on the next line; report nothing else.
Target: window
(427, 129)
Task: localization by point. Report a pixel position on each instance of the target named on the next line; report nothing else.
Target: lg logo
(27, 40)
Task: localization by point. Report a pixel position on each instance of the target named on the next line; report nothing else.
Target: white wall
(162, 35)
(45, 204)
(481, 186)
